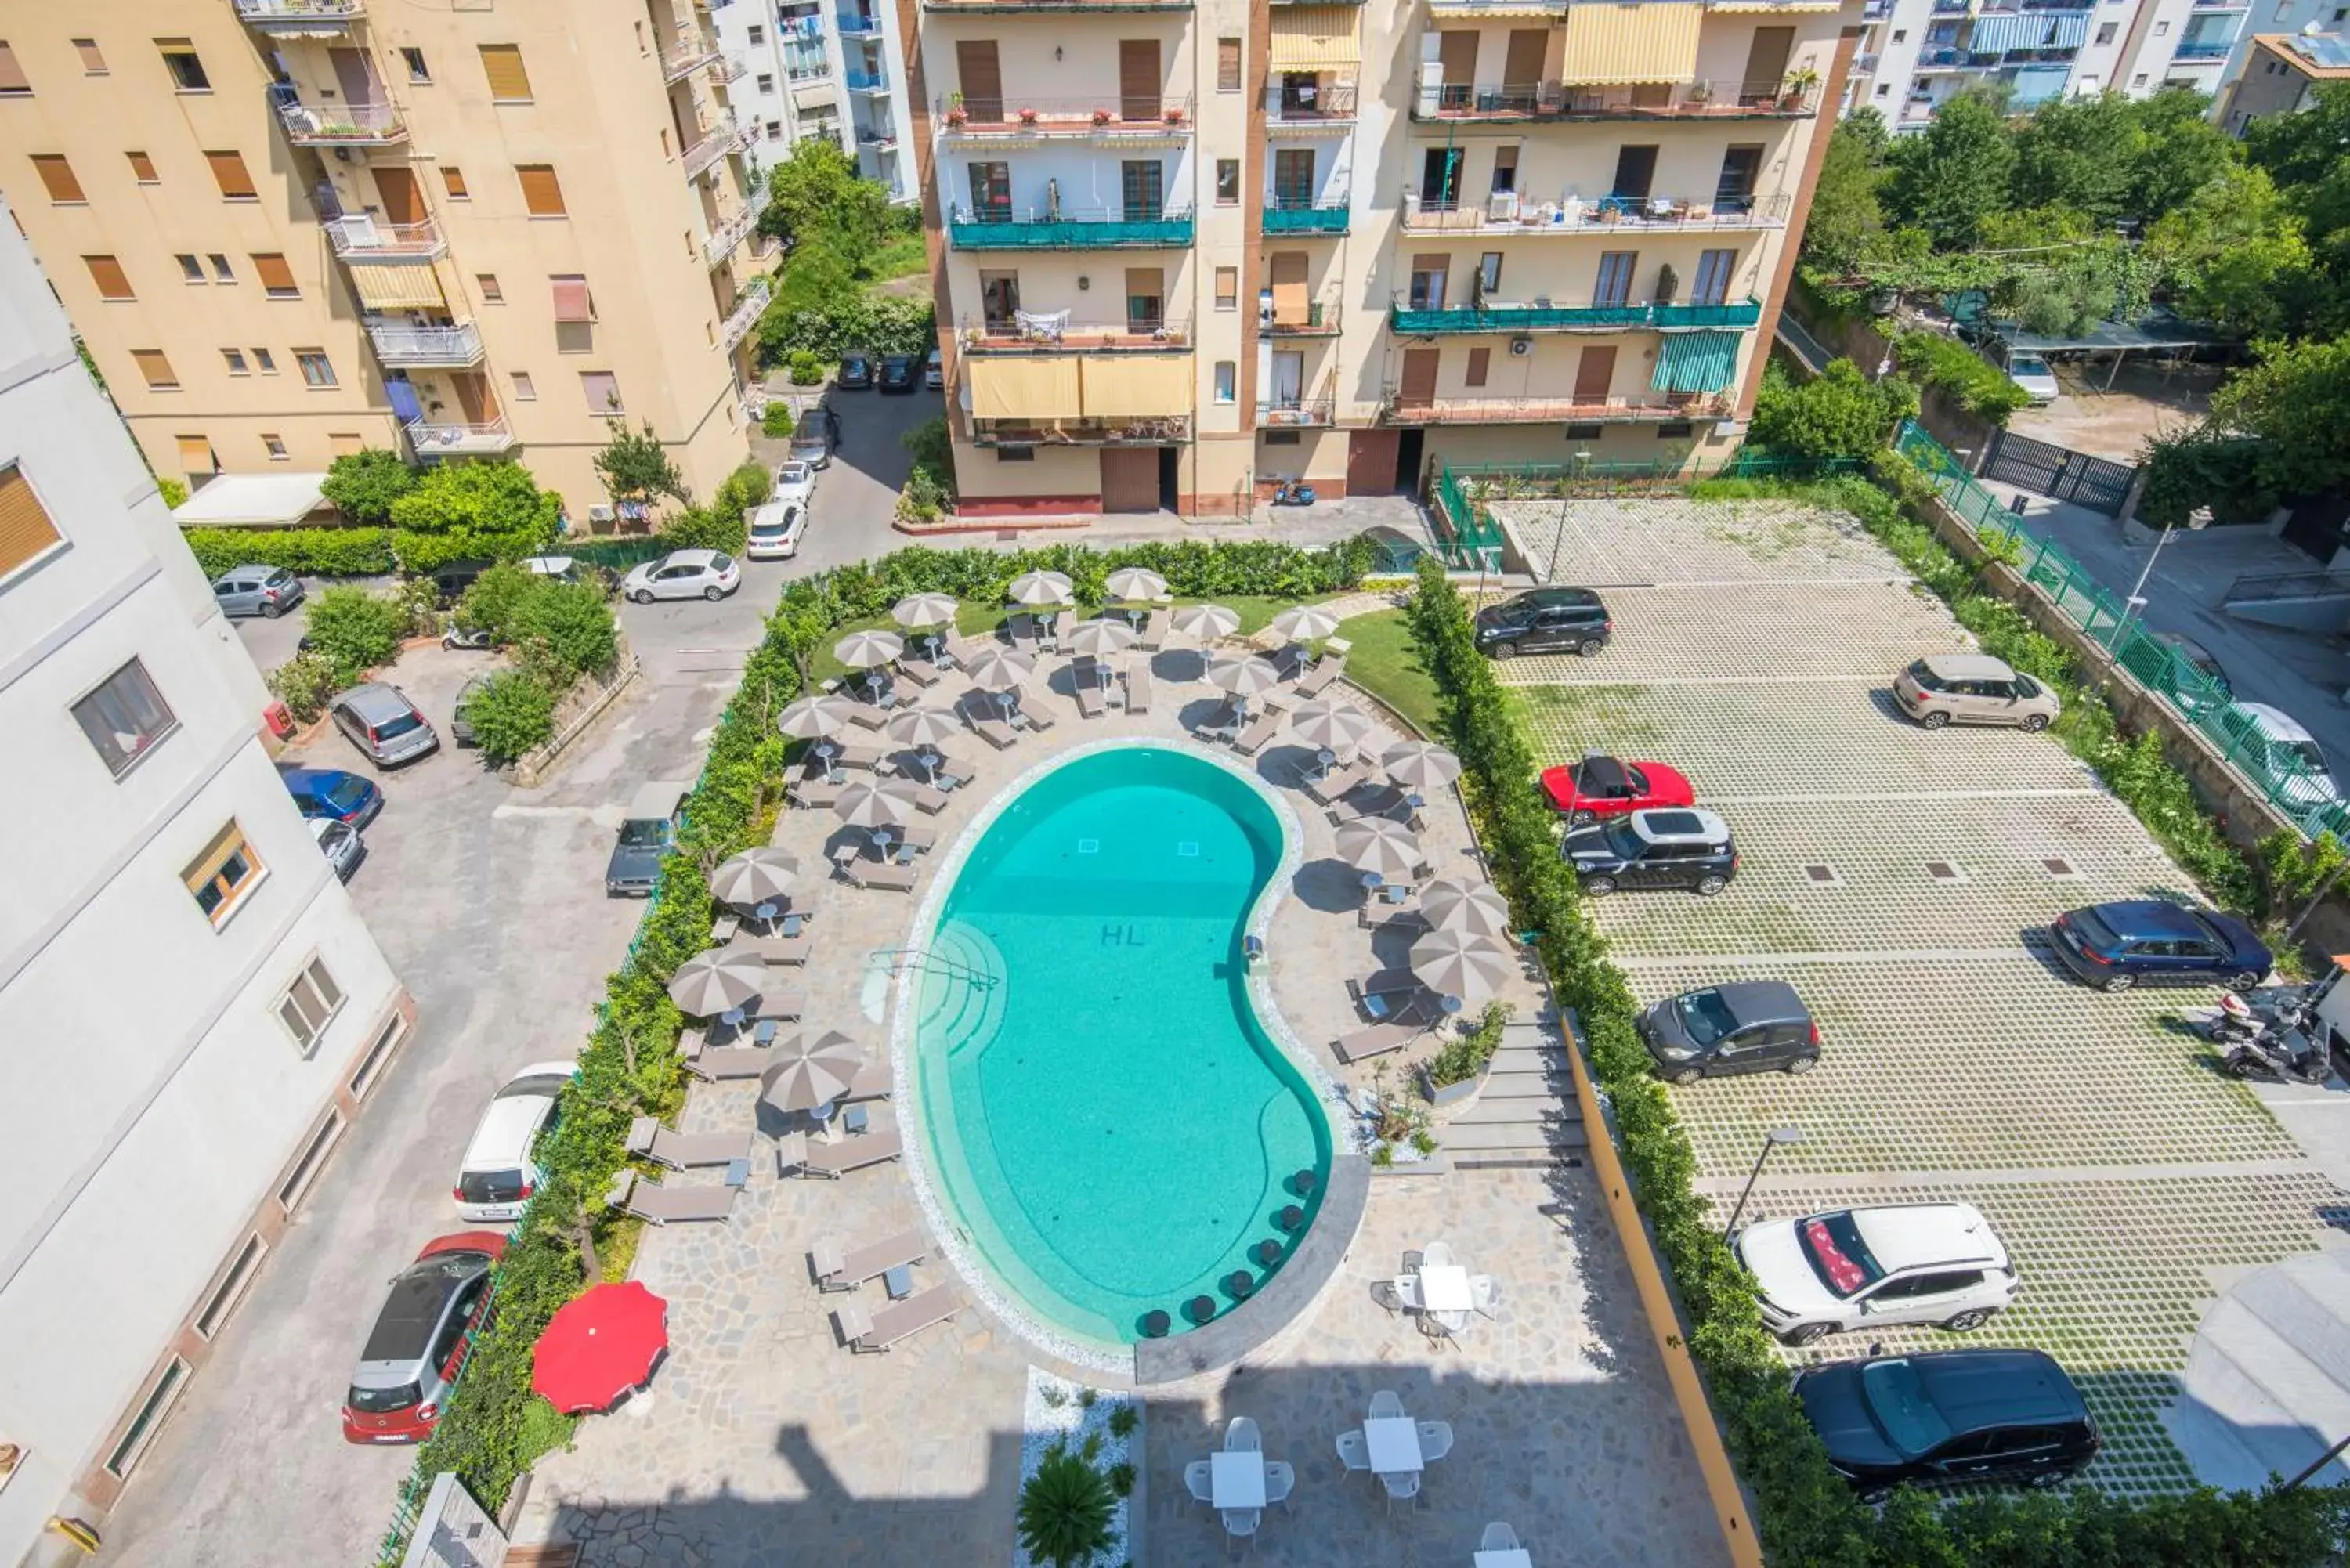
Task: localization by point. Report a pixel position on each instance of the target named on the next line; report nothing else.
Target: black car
(1949, 1416)
(1544, 620)
(899, 372)
(856, 372)
(451, 581)
(1751, 1026)
(1669, 849)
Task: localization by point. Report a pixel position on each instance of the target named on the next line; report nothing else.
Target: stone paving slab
(1594, 542)
(1759, 631)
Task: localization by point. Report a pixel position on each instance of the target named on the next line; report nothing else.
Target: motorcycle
(1293, 492)
(2272, 1042)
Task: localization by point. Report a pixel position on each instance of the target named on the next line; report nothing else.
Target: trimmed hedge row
(351, 552)
(1805, 1515)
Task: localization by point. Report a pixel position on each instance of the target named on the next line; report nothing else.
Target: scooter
(2239, 1021)
(2276, 1044)
(1293, 492)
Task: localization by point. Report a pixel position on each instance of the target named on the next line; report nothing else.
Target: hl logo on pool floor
(1125, 936)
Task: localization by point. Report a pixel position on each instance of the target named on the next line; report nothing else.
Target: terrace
(302, 18)
(401, 345)
(441, 438)
(1512, 212)
(744, 316)
(1151, 119)
(1407, 320)
(1055, 333)
(1670, 408)
(340, 125)
(361, 237)
(1329, 214)
(721, 134)
(1437, 101)
(1076, 230)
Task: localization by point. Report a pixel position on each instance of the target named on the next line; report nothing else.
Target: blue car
(334, 794)
(2142, 941)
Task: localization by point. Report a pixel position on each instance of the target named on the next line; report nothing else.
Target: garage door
(1371, 462)
(1130, 479)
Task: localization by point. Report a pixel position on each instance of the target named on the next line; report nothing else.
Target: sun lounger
(777, 949)
(1383, 997)
(840, 1271)
(1223, 724)
(928, 799)
(873, 1082)
(809, 1157)
(1407, 1024)
(864, 873)
(912, 841)
(811, 794)
(648, 1200)
(1383, 801)
(1154, 631)
(994, 731)
(950, 773)
(1339, 782)
(1027, 718)
(1137, 686)
(898, 1320)
(916, 674)
(1327, 669)
(721, 1064)
(866, 715)
(1086, 678)
(867, 758)
(786, 1005)
(723, 928)
(1251, 740)
(650, 1140)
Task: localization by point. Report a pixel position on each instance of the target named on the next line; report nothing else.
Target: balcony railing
(1167, 228)
(1948, 58)
(1154, 119)
(344, 125)
(854, 25)
(1494, 315)
(1324, 103)
(298, 16)
(398, 344)
(2223, 5)
(2203, 48)
(1510, 212)
(688, 51)
(361, 237)
(868, 81)
(1658, 410)
(730, 233)
(723, 136)
(1171, 430)
(1328, 215)
(1053, 333)
(1320, 320)
(1297, 413)
(437, 438)
(743, 316)
(1726, 98)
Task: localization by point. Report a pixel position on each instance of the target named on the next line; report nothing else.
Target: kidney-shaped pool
(1112, 1129)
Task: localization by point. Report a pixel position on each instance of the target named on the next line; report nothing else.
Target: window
(1481, 362)
(452, 180)
(1901, 35)
(1228, 287)
(540, 192)
(1679, 429)
(1227, 381)
(766, 83)
(758, 34)
(273, 446)
(1227, 180)
(124, 717)
(228, 173)
(363, 1078)
(25, 532)
(276, 277)
(2138, 81)
(151, 1411)
(11, 75)
(774, 130)
(418, 71)
(1615, 285)
(156, 369)
(1582, 432)
(222, 876)
(316, 371)
(58, 178)
(187, 71)
(487, 282)
(2105, 32)
(312, 1160)
(231, 1290)
(572, 301)
(345, 444)
(234, 360)
(222, 272)
(142, 169)
(1284, 438)
(263, 361)
(1016, 455)
(309, 1004)
(523, 390)
(107, 272)
(1885, 89)
(93, 59)
(602, 389)
(2161, 28)
(509, 83)
(1489, 271)
(1228, 65)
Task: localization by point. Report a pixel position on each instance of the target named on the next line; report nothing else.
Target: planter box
(1455, 1094)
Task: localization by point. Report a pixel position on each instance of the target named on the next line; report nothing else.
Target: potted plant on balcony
(956, 113)
(1174, 114)
(1101, 117)
(1799, 83)
(1027, 117)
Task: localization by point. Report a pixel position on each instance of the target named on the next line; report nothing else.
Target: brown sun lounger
(1385, 994)
(777, 949)
(1154, 631)
(928, 799)
(813, 794)
(919, 674)
(874, 1081)
(900, 1319)
(1087, 688)
(866, 715)
(650, 1140)
(1406, 1026)
(1338, 782)
(840, 1271)
(648, 1200)
(1327, 669)
(1383, 801)
(890, 878)
(1032, 717)
(721, 1064)
(1137, 686)
(809, 1157)
(1251, 740)
(994, 731)
(866, 758)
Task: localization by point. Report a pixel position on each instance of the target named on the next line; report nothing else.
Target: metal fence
(1474, 540)
(2293, 780)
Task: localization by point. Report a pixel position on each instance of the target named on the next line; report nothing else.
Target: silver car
(340, 843)
(683, 575)
(380, 721)
(257, 590)
(1973, 689)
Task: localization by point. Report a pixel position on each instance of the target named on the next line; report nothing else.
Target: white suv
(499, 1174)
(1860, 1267)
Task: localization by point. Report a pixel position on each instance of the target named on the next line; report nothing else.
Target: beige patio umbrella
(816, 717)
(1457, 904)
(1041, 590)
(1417, 765)
(870, 650)
(1098, 637)
(996, 667)
(716, 981)
(1453, 964)
(916, 610)
(875, 806)
(810, 1073)
(1245, 677)
(761, 876)
(1306, 623)
(1207, 622)
(1331, 726)
(1379, 846)
(922, 727)
(1137, 585)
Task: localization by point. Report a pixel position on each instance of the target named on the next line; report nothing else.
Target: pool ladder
(923, 958)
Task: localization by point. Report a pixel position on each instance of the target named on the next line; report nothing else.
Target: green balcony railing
(1305, 220)
(1740, 313)
(1407, 322)
(1166, 230)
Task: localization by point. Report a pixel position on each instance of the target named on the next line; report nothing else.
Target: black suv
(1950, 1416)
(856, 371)
(1544, 620)
(1675, 849)
(1747, 1026)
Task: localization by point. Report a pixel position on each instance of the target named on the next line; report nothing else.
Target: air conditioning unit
(600, 515)
(1522, 345)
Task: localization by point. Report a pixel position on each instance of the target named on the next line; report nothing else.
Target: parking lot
(1902, 881)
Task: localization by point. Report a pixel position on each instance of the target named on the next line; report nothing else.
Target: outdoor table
(1393, 1442)
(1513, 1558)
(1237, 1479)
(738, 1172)
(1445, 1288)
(898, 1281)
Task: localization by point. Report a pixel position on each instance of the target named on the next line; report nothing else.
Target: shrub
(564, 630)
(425, 553)
(1065, 1510)
(1948, 365)
(746, 487)
(306, 552)
(776, 422)
(807, 368)
(1123, 1420)
(2204, 467)
(174, 495)
(492, 511)
(1464, 1055)
(1837, 413)
(364, 485)
(303, 683)
(489, 605)
(1121, 1479)
(706, 528)
(355, 630)
(512, 715)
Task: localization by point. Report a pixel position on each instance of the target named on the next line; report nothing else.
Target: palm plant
(1065, 1510)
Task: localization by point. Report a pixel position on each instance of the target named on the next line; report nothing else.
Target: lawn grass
(1385, 662)
(901, 255)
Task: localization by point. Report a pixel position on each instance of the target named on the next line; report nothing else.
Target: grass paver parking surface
(1602, 543)
(1754, 632)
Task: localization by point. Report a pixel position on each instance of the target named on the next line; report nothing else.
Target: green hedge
(1977, 386)
(310, 552)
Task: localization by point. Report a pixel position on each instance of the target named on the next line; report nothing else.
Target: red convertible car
(1601, 786)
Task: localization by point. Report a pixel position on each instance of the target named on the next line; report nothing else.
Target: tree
(1945, 180)
(478, 498)
(1837, 413)
(817, 191)
(1845, 207)
(2078, 154)
(490, 604)
(511, 716)
(2178, 152)
(564, 630)
(364, 485)
(637, 471)
(2235, 254)
(1065, 1510)
(2295, 400)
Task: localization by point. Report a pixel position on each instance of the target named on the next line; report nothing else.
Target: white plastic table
(1394, 1445)
(1445, 1288)
(1236, 1479)
(1514, 1558)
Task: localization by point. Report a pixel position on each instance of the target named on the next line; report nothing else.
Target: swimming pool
(1111, 1129)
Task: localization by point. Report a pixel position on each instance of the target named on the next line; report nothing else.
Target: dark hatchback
(1751, 1026)
(334, 794)
(856, 373)
(2145, 942)
(1949, 1416)
(1544, 620)
(899, 373)
(1685, 850)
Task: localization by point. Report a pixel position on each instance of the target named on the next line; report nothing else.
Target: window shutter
(57, 175)
(1228, 65)
(155, 369)
(11, 75)
(603, 390)
(142, 169)
(276, 277)
(502, 63)
(540, 192)
(108, 274)
(454, 178)
(93, 59)
(571, 300)
(228, 173)
(1480, 360)
(24, 529)
(196, 456)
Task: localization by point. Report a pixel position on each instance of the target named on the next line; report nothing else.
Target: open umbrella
(1306, 623)
(716, 981)
(810, 1073)
(1097, 637)
(1137, 585)
(1454, 964)
(1417, 765)
(874, 805)
(923, 610)
(868, 650)
(1456, 904)
(1041, 589)
(816, 717)
(602, 1344)
(1331, 726)
(924, 727)
(755, 876)
(995, 667)
(1379, 845)
(1206, 622)
(1245, 677)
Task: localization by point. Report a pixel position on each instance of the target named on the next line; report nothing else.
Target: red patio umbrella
(599, 1346)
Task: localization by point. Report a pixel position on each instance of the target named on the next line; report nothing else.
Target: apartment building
(290, 229)
(1184, 249)
(192, 1006)
(2279, 72)
(803, 69)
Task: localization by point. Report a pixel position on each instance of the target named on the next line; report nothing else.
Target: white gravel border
(1044, 1423)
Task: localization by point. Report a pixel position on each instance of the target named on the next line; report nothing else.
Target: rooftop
(2324, 56)
(252, 501)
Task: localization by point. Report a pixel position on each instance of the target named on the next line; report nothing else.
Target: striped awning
(1042, 389)
(1791, 7)
(399, 287)
(2000, 31)
(1134, 387)
(1609, 43)
(1314, 38)
(1696, 361)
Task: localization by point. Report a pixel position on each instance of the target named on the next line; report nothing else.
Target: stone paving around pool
(1903, 880)
(763, 1440)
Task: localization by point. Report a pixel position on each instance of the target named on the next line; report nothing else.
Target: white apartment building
(802, 69)
(191, 1006)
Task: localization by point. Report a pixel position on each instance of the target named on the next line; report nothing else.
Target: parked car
(570, 569)
(898, 373)
(1868, 1268)
(934, 372)
(461, 722)
(1748, 1026)
(648, 832)
(683, 575)
(498, 1174)
(1973, 689)
(2274, 746)
(2146, 941)
(379, 719)
(1544, 620)
(776, 530)
(2033, 377)
(794, 483)
(340, 843)
(1601, 786)
(2199, 659)
(269, 591)
(1948, 1415)
(856, 371)
(816, 436)
(413, 1353)
(330, 794)
(1653, 850)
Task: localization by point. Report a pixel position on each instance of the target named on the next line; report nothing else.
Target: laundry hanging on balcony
(1033, 391)
(1609, 43)
(1315, 38)
(398, 287)
(1695, 362)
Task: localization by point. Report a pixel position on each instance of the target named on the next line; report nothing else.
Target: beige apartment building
(1185, 249)
(291, 229)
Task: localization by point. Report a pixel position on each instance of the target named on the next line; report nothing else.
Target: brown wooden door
(981, 76)
(1146, 298)
(1371, 462)
(1766, 63)
(1139, 83)
(1522, 67)
(355, 75)
(1594, 372)
(1457, 52)
(395, 192)
(1290, 307)
(475, 398)
(1416, 389)
(1130, 479)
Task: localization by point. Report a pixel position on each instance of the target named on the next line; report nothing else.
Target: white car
(776, 530)
(340, 843)
(934, 374)
(795, 482)
(2276, 749)
(1862, 1268)
(2031, 372)
(498, 1175)
(683, 575)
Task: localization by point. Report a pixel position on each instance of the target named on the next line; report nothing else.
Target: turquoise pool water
(1112, 1128)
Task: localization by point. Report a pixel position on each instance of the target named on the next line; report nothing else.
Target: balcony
(1320, 320)
(300, 19)
(687, 51)
(1297, 413)
(2222, 5)
(1054, 333)
(362, 237)
(2203, 48)
(1950, 58)
(1173, 429)
(1081, 230)
(875, 82)
(1509, 213)
(1493, 8)
(728, 234)
(722, 136)
(343, 125)
(1328, 215)
(1324, 106)
(401, 345)
(430, 438)
(1541, 316)
(1663, 409)
(743, 316)
(1437, 101)
(1106, 116)
(853, 26)
(1048, 7)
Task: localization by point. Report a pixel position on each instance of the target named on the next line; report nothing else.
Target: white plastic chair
(1384, 1293)
(1435, 1441)
(1242, 1521)
(1498, 1537)
(1353, 1451)
(1241, 1437)
(1484, 1293)
(1384, 1404)
(1407, 1292)
(1280, 1480)
(1400, 1487)
(1199, 1476)
(1439, 1256)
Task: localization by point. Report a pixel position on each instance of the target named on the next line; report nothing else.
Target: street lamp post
(2199, 519)
(1770, 1141)
(1559, 540)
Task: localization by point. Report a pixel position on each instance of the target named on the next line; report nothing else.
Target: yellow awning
(1040, 389)
(1609, 43)
(1314, 38)
(1790, 7)
(1482, 10)
(1150, 386)
(399, 287)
